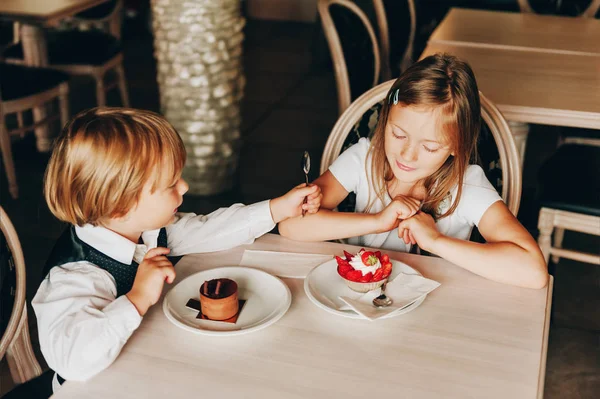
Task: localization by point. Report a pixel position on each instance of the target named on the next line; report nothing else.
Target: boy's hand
(419, 229)
(151, 275)
(291, 204)
(400, 208)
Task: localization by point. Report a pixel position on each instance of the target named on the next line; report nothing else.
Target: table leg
(35, 53)
(520, 131)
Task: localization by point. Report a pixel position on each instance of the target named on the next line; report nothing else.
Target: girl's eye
(398, 136)
(430, 149)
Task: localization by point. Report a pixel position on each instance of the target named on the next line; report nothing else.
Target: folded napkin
(283, 264)
(404, 290)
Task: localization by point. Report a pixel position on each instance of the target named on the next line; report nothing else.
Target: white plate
(267, 300)
(323, 286)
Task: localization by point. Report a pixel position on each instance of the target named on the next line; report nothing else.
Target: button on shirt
(83, 325)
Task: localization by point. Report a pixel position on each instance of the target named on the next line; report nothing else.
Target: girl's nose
(409, 153)
(183, 187)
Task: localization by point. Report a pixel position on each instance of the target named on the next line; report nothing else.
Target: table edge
(544, 355)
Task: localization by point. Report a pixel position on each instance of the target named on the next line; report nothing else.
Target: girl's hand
(419, 229)
(292, 203)
(150, 277)
(400, 208)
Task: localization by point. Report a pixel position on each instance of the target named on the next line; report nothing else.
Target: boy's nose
(183, 187)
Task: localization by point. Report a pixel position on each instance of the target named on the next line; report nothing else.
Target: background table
(470, 338)
(33, 16)
(535, 68)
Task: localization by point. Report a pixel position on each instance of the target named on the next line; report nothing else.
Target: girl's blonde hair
(447, 84)
(102, 160)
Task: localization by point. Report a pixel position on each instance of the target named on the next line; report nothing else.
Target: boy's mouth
(403, 167)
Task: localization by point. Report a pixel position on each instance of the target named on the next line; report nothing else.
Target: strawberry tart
(364, 271)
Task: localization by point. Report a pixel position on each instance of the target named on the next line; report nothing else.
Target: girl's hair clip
(393, 99)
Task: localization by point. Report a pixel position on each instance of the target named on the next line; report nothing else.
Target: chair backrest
(366, 107)
(106, 16)
(353, 46)
(15, 341)
(581, 8)
(13, 259)
(383, 8)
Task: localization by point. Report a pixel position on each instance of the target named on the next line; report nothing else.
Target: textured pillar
(198, 47)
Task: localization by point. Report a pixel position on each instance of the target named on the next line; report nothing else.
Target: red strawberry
(344, 269)
(378, 275)
(341, 261)
(354, 275)
(387, 269)
(368, 258)
(366, 278)
(385, 258)
(378, 254)
(348, 256)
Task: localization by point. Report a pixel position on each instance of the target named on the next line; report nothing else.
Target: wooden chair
(107, 17)
(15, 341)
(359, 58)
(570, 184)
(364, 111)
(75, 52)
(353, 46)
(23, 89)
(589, 12)
(385, 31)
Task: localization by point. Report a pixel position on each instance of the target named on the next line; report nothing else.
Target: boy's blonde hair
(447, 84)
(102, 160)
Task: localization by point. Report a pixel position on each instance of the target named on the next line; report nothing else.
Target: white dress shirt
(83, 325)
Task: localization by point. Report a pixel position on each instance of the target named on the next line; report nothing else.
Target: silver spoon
(306, 169)
(382, 300)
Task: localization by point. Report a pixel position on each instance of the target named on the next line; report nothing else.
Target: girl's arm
(329, 225)
(510, 255)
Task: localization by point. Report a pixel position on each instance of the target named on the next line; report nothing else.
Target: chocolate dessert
(219, 299)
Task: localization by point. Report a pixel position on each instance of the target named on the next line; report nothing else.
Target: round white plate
(323, 286)
(267, 300)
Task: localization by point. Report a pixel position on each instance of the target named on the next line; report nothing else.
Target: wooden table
(33, 16)
(536, 69)
(519, 31)
(470, 338)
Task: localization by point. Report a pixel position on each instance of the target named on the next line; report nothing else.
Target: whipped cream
(357, 263)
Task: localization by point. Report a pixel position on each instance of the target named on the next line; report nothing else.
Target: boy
(115, 176)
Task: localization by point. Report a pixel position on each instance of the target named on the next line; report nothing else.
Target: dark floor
(290, 106)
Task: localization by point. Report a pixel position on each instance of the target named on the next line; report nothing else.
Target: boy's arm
(82, 327)
(222, 229)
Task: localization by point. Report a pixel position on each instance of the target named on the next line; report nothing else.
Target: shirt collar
(114, 245)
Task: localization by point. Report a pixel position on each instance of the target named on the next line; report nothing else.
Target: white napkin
(283, 264)
(404, 290)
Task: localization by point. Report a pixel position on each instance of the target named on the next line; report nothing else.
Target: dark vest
(70, 248)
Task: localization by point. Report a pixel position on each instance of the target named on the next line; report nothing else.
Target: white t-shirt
(477, 196)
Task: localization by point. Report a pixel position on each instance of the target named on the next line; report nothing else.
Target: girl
(414, 184)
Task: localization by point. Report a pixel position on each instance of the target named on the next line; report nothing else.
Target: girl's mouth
(403, 167)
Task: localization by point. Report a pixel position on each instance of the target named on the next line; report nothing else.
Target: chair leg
(559, 234)
(63, 102)
(43, 140)
(9, 165)
(545, 226)
(122, 85)
(100, 91)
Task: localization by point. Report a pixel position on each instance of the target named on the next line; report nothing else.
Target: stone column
(198, 47)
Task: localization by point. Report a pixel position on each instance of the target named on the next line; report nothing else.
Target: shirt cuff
(123, 317)
(261, 218)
